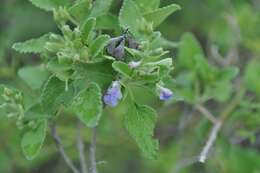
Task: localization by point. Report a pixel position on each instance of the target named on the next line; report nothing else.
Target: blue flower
(113, 94)
(164, 93)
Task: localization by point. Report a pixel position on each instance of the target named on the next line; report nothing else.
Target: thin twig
(210, 142)
(61, 149)
(214, 52)
(92, 152)
(206, 113)
(81, 146)
(214, 132)
(184, 163)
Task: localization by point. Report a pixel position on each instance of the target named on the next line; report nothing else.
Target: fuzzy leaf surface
(88, 105)
(35, 45)
(32, 140)
(159, 15)
(140, 122)
(49, 5)
(34, 76)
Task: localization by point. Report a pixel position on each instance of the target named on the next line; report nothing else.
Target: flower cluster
(116, 46)
(113, 94)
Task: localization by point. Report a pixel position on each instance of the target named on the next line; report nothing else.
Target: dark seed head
(115, 47)
(119, 51)
(132, 43)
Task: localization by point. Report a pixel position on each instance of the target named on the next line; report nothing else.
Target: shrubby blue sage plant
(89, 63)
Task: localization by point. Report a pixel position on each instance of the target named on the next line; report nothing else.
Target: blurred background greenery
(228, 31)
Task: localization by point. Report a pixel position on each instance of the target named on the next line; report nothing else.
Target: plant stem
(210, 142)
(61, 149)
(92, 152)
(81, 146)
(206, 113)
(218, 124)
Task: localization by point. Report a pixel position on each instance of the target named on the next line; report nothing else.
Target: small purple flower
(164, 93)
(113, 94)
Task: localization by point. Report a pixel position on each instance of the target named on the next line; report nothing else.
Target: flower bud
(132, 43)
(164, 93)
(55, 37)
(134, 64)
(67, 32)
(61, 15)
(113, 94)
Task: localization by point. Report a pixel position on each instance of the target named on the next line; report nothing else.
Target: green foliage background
(201, 75)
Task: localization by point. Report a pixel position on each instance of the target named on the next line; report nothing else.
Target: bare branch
(215, 55)
(206, 113)
(61, 149)
(212, 137)
(92, 152)
(214, 132)
(81, 146)
(184, 163)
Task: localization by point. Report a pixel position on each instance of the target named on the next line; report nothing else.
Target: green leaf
(228, 73)
(202, 67)
(49, 5)
(166, 62)
(2, 88)
(159, 15)
(32, 46)
(221, 91)
(32, 140)
(35, 112)
(87, 29)
(81, 9)
(98, 44)
(52, 90)
(34, 76)
(62, 70)
(122, 68)
(150, 78)
(148, 5)
(251, 77)
(189, 48)
(88, 105)
(108, 21)
(130, 16)
(101, 73)
(163, 42)
(140, 122)
(100, 8)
